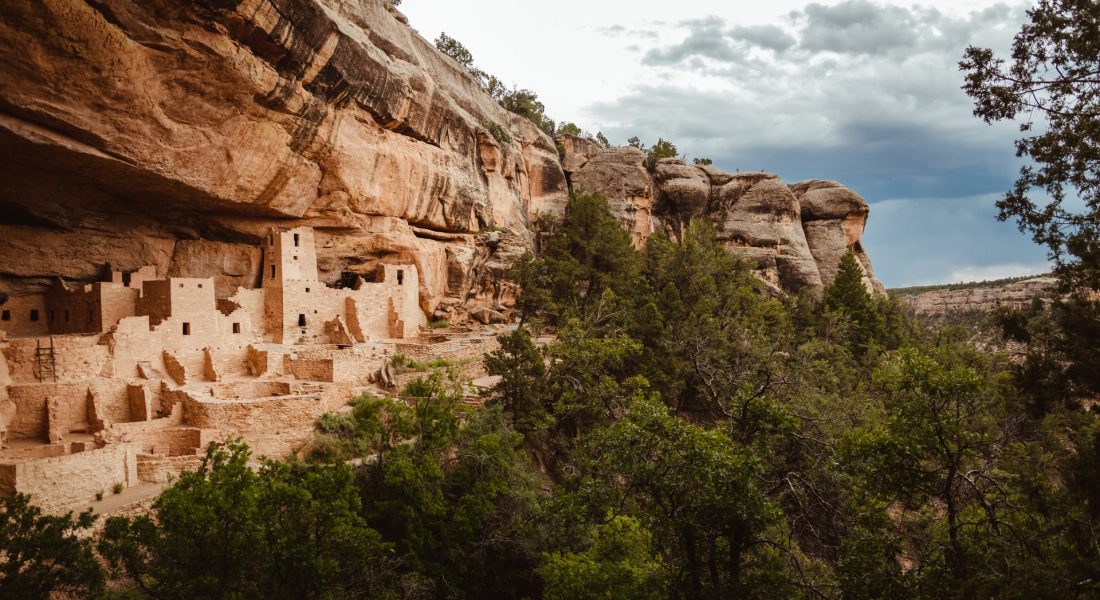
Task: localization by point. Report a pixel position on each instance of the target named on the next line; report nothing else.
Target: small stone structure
(127, 380)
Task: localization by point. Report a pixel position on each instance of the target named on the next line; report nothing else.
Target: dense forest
(665, 427)
(682, 434)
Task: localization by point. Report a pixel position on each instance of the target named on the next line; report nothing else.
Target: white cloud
(866, 92)
(999, 271)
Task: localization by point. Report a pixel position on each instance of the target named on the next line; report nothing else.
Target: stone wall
(67, 482)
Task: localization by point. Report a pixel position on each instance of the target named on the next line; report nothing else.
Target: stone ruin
(126, 381)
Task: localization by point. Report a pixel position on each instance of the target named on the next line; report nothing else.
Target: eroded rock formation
(977, 297)
(796, 234)
(173, 133)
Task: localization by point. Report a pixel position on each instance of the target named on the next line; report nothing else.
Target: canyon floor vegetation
(686, 434)
(667, 426)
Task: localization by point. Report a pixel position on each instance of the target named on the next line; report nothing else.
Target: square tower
(289, 255)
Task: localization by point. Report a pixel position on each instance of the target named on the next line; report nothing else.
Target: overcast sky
(865, 92)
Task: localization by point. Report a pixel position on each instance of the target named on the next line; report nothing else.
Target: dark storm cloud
(863, 93)
(706, 38)
(859, 27)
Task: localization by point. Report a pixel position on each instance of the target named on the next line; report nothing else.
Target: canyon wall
(174, 133)
(977, 297)
(796, 234)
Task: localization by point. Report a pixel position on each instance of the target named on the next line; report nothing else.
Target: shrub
(99, 495)
(326, 448)
(339, 425)
(498, 132)
(117, 488)
(400, 361)
(440, 324)
(404, 364)
(569, 128)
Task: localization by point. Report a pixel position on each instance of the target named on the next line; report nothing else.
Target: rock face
(978, 297)
(173, 133)
(833, 218)
(620, 174)
(796, 234)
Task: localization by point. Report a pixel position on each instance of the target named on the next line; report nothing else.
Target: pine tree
(848, 296)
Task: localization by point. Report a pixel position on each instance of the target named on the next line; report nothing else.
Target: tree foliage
(1051, 85)
(226, 531)
(661, 149)
(44, 554)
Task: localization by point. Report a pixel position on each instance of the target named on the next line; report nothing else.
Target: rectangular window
(200, 286)
(400, 276)
(307, 290)
(186, 329)
(271, 240)
(236, 328)
(5, 316)
(273, 271)
(295, 240)
(301, 320)
(181, 285)
(34, 314)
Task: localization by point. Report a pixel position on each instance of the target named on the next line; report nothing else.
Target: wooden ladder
(45, 361)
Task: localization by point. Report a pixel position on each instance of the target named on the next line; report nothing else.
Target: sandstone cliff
(173, 133)
(797, 234)
(976, 297)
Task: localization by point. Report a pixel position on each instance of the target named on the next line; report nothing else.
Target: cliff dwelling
(125, 380)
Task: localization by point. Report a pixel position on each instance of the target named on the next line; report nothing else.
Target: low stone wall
(155, 468)
(180, 441)
(30, 400)
(70, 482)
(238, 390)
(31, 452)
(320, 369)
(255, 415)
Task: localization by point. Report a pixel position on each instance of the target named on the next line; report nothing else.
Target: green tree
(849, 296)
(662, 149)
(703, 162)
(617, 563)
(215, 533)
(587, 254)
(602, 139)
(42, 555)
(695, 490)
(1050, 86)
(523, 387)
(453, 492)
(635, 142)
(569, 128)
(938, 453)
(526, 103)
(454, 48)
(716, 345)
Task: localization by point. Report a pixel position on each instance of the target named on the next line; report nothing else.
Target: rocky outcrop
(833, 218)
(795, 234)
(174, 133)
(620, 174)
(976, 297)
